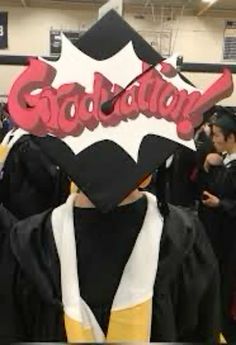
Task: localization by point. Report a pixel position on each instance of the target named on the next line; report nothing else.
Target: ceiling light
(209, 1)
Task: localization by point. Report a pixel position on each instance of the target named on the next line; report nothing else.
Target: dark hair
(227, 132)
(225, 119)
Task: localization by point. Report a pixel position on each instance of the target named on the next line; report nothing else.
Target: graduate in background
(30, 183)
(218, 210)
(181, 174)
(112, 263)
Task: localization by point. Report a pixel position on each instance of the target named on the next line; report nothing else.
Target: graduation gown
(30, 182)
(180, 186)
(186, 295)
(220, 224)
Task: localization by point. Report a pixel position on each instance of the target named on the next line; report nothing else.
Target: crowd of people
(132, 254)
(204, 182)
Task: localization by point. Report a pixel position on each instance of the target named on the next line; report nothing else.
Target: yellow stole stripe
(73, 188)
(76, 332)
(222, 339)
(4, 150)
(132, 324)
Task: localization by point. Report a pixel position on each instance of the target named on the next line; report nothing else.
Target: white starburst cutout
(65, 97)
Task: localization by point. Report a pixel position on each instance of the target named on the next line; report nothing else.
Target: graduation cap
(224, 118)
(111, 109)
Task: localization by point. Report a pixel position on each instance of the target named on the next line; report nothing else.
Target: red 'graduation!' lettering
(69, 109)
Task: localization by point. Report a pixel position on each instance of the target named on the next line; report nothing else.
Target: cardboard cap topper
(111, 110)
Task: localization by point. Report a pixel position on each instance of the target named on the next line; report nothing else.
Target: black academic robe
(181, 178)
(180, 183)
(186, 291)
(220, 224)
(30, 182)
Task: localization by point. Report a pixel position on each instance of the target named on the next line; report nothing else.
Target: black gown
(186, 292)
(180, 184)
(220, 224)
(30, 182)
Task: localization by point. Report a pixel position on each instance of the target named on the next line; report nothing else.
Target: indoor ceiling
(197, 6)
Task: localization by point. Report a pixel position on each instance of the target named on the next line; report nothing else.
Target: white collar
(229, 158)
(136, 285)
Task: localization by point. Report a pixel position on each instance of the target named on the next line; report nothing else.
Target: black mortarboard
(224, 118)
(108, 154)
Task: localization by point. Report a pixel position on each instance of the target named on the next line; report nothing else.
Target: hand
(207, 129)
(210, 200)
(212, 159)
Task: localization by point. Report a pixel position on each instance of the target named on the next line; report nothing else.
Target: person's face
(219, 141)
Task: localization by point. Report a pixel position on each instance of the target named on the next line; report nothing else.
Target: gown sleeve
(197, 291)
(10, 328)
(228, 203)
(221, 182)
(186, 294)
(37, 287)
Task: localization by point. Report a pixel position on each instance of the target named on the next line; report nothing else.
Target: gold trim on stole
(76, 332)
(131, 324)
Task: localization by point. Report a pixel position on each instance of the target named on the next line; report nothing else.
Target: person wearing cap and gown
(218, 210)
(101, 267)
(113, 263)
(180, 177)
